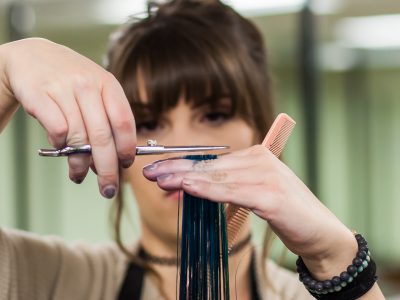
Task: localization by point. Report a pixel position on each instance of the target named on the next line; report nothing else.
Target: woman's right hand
(75, 100)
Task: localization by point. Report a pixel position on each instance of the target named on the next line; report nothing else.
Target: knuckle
(109, 81)
(101, 137)
(202, 165)
(58, 131)
(259, 150)
(109, 78)
(52, 88)
(124, 124)
(218, 176)
(83, 82)
(77, 138)
(232, 187)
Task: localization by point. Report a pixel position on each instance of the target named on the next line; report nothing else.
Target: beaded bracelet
(362, 262)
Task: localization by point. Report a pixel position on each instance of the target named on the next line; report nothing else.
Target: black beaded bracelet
(350, 284)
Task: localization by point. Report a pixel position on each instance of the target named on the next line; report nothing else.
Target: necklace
(172, 261)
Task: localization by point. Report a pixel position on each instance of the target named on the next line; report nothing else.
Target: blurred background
(336, 71)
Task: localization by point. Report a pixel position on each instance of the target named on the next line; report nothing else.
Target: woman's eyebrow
(223, 100)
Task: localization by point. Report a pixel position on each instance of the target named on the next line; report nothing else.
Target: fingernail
(77, 180)
(164, 177)
(126, 163)
(109, 191)
(187, 182)
(150, 167)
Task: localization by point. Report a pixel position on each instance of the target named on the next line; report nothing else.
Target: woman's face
(182, 125)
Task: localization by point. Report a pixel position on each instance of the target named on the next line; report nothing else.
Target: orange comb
(275, 141)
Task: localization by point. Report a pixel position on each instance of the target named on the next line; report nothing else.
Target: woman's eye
(148, 127)
(216, 117)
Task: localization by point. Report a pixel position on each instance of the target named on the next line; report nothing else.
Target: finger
(222, 192)
(50, 117)
(78, 163)
(78, 167)
(122, 121)
(255, 176)
(181, 164)
(92, 166)
(227, 162)
(100, 136)
(153, 171)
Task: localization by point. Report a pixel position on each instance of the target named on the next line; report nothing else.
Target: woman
(193, 73)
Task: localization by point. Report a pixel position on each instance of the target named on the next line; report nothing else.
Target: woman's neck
(239, 264)
(155, 245)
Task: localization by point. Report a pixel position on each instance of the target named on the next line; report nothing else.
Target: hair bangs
(169, 65)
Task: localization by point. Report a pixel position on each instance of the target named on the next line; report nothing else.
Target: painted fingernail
(77, 180)
(109, 191)
(187, 182)
(126, 163)
(150, 167)
(164, 177)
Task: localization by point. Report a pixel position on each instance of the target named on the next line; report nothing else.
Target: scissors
(151, 148)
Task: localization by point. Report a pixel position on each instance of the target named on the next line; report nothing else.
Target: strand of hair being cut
(204, 248)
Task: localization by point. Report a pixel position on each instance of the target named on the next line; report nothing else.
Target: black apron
(132, 286)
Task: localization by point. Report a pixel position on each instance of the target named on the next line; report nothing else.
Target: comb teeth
(238, 216)
(275, 141)
(279, 143)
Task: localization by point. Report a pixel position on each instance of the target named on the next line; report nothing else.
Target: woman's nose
(182, 136)
(187, 135)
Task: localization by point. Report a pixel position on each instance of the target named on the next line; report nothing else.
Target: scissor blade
(147, 150)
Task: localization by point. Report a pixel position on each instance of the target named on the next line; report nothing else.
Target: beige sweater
(38, 268)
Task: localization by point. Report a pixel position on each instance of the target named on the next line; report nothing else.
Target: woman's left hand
(254, 178)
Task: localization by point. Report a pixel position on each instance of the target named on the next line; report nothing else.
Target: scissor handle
(65, 151)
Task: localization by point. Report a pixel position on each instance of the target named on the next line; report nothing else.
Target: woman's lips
(174, 195)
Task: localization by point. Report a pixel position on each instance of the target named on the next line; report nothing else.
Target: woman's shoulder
(61, 267)
(280, 283)
(34, 243)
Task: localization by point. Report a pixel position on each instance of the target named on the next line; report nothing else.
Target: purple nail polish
(77, 180)
(126, 163)
(109, 191)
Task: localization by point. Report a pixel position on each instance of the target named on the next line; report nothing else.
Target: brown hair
(203, 49)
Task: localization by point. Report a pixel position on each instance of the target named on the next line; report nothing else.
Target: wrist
(333, 261)
(354, 282)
